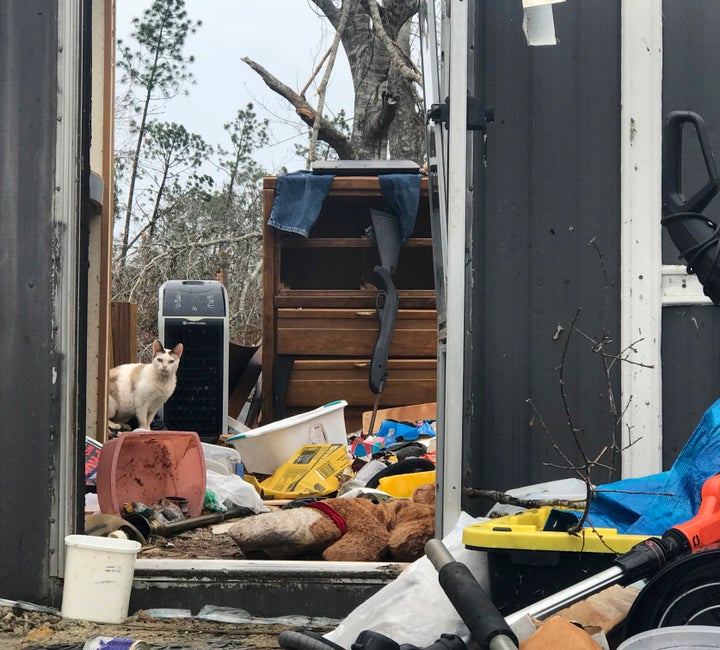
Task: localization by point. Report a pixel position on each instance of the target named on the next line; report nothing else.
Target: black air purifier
(195, 313)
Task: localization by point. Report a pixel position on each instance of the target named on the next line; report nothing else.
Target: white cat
(140, 389)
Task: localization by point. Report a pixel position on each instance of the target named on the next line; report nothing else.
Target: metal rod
(485, 623)
(502, 642)
(155, 527)
(438, 554)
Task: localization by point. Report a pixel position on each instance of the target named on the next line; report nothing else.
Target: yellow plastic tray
(402, 486)
(524, 531)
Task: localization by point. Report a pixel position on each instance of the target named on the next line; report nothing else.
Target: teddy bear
(342, 529)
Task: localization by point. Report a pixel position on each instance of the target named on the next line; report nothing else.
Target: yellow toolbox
(314, 470)
(531, 555)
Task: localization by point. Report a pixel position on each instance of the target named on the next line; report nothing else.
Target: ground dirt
(29, 630)
(206, 543)
(22, 630)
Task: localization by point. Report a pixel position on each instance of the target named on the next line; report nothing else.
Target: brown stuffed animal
(343, 530)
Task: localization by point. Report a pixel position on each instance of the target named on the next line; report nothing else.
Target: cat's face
(166, 361)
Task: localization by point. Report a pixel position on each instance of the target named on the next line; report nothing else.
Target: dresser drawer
(314, 382)
(353, 332)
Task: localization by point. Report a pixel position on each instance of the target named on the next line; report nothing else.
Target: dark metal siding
(691, 335)
(551, 187)
(28, 397)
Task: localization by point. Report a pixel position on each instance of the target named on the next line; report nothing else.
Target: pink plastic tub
(148, 466)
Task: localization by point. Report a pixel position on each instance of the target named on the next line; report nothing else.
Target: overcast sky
(286, 37)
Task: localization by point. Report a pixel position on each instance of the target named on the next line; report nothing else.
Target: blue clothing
(299, 197)
(402, 194)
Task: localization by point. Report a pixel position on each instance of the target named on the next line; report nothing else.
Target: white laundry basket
(264, 449)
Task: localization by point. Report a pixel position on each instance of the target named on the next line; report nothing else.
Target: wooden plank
(340, 366)
(360, 242)
(351, 299)
(404, 318)
(123, 319)
(426, 411)
(314, 382)
(270, 281)
(397, 392)
(351, 342)
(349, 332)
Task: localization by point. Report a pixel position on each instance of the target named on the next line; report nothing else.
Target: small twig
(536, 414)
(316, 71)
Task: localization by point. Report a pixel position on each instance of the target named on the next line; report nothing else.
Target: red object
(148, 466)
(92, 457)
(704, 528)
(329, 512)
(432, 456)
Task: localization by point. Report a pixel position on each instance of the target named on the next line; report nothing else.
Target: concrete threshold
(265, 588)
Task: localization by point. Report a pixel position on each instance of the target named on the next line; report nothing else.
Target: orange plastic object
(147, 466)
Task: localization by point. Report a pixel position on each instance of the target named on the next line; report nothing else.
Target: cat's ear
(178, 350)
(157, 347)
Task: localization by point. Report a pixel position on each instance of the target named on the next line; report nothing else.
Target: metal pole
(573, 594)
(486, 624)
(454, 409)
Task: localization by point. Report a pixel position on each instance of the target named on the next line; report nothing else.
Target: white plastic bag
(232, 490)
(414, 608)
(362, 478)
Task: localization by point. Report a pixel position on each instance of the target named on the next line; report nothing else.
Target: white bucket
(98, 578)
(682, 637)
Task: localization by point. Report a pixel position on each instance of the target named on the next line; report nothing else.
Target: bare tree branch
(327, 132)
(506, 499)
(315, 72)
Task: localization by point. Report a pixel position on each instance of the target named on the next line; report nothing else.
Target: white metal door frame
(66, 224)
(640, 246)
(451, 348)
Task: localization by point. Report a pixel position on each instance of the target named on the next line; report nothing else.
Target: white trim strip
(65, 224)
(640, 274)
(452, 430)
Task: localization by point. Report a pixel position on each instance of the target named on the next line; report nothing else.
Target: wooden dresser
(319, 318)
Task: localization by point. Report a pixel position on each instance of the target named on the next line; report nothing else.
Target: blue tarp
(639, 506)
